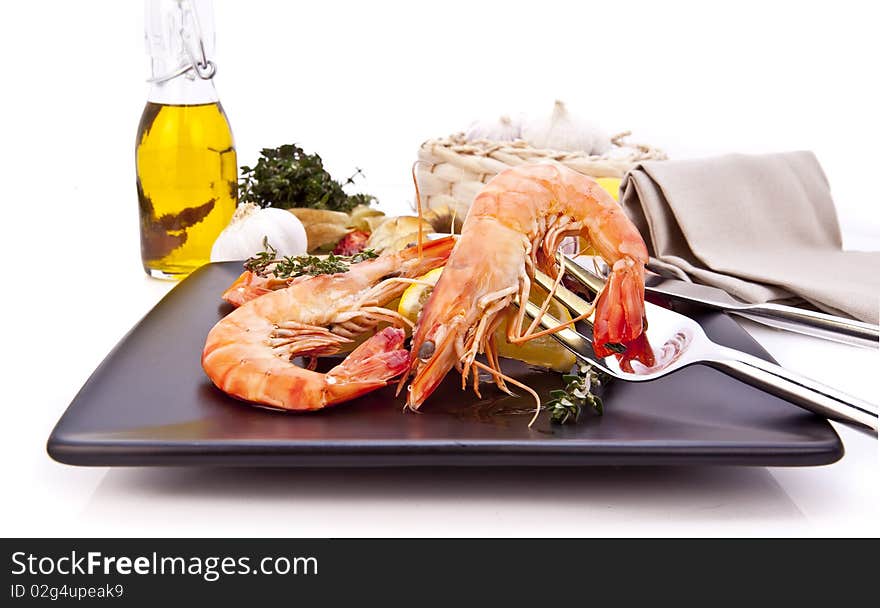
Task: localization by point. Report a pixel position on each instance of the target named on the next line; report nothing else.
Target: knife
(789, 318)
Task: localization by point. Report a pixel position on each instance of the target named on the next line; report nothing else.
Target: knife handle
(812, 323)
(800, 390)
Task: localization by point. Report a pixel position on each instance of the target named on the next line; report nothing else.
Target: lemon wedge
(611, 185)
(414, 297)
(543, 352)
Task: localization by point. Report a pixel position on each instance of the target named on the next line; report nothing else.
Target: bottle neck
(179, 34)
(183, 91)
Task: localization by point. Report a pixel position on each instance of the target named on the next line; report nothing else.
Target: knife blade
(788, 318)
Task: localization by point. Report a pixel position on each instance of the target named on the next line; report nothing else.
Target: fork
(678, 341)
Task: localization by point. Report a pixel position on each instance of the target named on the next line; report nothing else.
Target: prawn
(249, 353)
(515, 226)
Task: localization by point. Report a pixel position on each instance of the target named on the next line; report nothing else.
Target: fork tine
(575, 304)
(571, 337)
(581, 275)
(579, 344)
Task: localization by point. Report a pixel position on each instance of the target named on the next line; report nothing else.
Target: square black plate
(150, 403)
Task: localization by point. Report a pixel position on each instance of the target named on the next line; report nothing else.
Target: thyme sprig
(567, 404)
(288, 267)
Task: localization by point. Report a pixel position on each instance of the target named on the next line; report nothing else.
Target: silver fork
(679, 341)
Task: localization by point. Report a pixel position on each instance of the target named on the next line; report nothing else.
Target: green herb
(567, 404)
(260, 262)
(288, 267)
(287, 177)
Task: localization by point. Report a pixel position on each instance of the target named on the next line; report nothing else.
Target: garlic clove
(566, 132)
(601, 141)
(504, 128)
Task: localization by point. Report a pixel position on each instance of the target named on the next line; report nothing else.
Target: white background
(363, 83)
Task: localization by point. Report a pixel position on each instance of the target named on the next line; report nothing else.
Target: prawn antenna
(418, 205)
(496, 373)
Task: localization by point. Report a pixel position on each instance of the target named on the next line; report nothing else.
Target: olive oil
(187, 171)
(186, 183)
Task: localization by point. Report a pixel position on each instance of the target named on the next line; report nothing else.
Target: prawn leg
(292, 339)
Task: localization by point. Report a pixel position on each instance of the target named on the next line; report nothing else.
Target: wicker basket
(453, 170)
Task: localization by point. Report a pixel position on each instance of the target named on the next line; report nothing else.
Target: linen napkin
(759, 227)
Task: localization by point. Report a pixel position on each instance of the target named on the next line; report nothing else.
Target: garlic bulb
(503, 129)
(250, 224)
(563, 131)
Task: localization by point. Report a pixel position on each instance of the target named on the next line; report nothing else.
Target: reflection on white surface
(446, 502)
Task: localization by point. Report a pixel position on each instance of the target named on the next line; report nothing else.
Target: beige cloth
(759, 227)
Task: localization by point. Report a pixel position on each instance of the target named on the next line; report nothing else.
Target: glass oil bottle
(185, 155)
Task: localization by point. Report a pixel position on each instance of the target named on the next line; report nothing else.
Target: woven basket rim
(458, 143)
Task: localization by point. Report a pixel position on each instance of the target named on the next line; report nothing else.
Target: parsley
(567, 404)
(288, 267)
(287, 177)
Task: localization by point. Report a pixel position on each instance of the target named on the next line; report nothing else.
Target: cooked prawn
(248, 354)
(514, 226)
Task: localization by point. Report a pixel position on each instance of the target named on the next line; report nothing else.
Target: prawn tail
(370, 366)
(246, 287)
(431, 249)
(620, 311)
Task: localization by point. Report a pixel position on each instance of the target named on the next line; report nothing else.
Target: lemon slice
(543, 352)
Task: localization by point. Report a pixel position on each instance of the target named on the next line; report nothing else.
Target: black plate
(149, 403)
